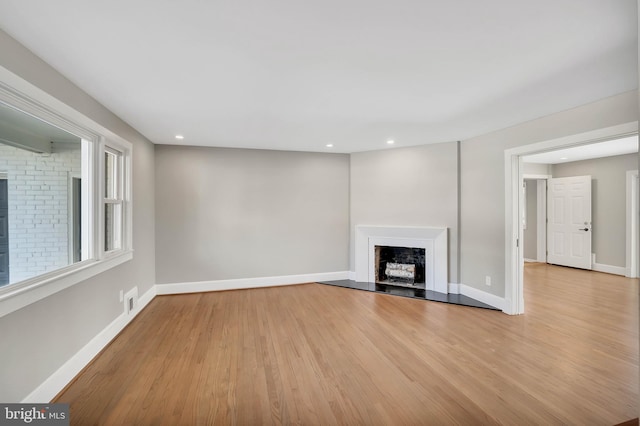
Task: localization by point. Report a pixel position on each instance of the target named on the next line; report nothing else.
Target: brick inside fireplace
(400, 266)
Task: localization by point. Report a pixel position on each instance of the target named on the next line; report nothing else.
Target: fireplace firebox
(400, 266)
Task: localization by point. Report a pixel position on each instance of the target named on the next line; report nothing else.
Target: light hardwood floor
(316, 354)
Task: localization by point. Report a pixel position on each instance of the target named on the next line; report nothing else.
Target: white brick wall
(38, 209)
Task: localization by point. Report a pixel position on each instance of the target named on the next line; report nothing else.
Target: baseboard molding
(481, 296)
(70, 369)
(237, 284)
(627, 273)
(616, 270)
(530, 260)
(352, 275)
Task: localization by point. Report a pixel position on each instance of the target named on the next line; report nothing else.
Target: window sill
(17, 296)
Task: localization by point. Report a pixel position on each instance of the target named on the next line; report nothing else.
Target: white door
(569, 221)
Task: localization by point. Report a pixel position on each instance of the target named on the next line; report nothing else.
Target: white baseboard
(530, 260)
(454, 288)
(70, 369)
(352, 275)
(616, 270)
(481, 296)
(627, 273)
(484, 297)
(237, 284)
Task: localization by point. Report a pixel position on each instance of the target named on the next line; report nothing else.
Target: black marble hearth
(415, 293)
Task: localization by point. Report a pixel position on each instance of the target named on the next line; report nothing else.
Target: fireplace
(418, 256)
(400, 266)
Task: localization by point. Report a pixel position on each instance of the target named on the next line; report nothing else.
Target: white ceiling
(610, 148)
(297, 75)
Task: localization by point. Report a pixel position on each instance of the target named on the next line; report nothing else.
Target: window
(113, 202)
(65, 209)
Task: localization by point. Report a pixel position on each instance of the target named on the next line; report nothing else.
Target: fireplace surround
(431, 239)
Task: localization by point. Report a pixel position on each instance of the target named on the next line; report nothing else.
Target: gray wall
(234, 213)
(530, 235)
(608, 200)
(483, 183)
(536, 169)
(407, 186)
(39, 338)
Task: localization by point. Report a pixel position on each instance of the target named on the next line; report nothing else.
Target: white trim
(242, 283)
(439, 236)
(541, 213)
(535, 177)
(30, 291)
(632, 249)
(352, 275)
(523, 216)
(42, 110)
(481, 296)
(609, 269)
(530, 260)
(70, 369)
(124, 151)
(514, 302)
(88, 209)
(454, 288)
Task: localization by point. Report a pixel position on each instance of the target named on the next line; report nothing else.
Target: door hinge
(517, 242)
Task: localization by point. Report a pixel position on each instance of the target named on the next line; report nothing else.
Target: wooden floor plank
(318, 354)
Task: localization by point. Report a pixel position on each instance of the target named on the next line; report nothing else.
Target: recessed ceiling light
(564, 158)
(329, 145)
(180, 137)
(391, 142)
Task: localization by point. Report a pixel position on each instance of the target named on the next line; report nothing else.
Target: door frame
(633, 225)
(513, 178)
(541, 214)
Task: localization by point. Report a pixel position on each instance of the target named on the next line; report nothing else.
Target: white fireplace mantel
(433, 240)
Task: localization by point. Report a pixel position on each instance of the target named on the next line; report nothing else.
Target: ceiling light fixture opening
(179, 137)
(329, 145)
(391, 142)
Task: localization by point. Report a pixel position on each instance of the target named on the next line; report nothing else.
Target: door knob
(583, 229)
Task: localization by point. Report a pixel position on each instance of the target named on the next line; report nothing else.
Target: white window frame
(123, 150)
(95, 139)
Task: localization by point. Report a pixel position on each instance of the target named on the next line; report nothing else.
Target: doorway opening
(514, 203)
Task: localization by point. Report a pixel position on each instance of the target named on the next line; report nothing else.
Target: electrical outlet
(487, 280)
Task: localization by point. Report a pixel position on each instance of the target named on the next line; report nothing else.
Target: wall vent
(131, 300)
